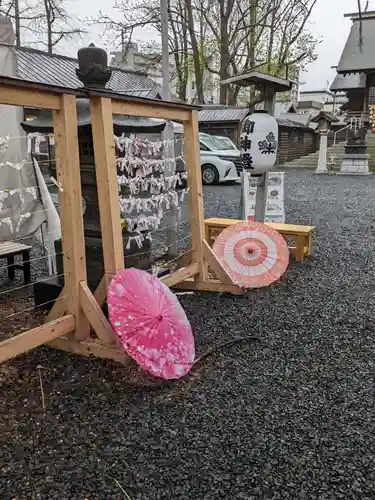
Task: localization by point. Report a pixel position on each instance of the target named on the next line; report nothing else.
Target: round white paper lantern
(259, 141)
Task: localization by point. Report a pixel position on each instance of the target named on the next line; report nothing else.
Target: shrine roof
(356, 57)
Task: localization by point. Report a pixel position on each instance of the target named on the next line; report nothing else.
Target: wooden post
(196, 210)
(106, 180)
(68, 175)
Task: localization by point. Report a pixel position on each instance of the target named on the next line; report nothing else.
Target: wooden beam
(29, 98)
(210, 286)
(150, 111)
(36, 337)
(184, 259)
(194, 180)
(100, 293)
(58, 308)
(95, 315)
(215, 265)
(106, 181)
(68, 175)
(181, 275)
(91, 347)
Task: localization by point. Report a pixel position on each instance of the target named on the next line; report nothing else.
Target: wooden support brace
(181, 275)
(210, 286)
(100, 293)
(215, 265)
(36, 337)
(59, 307)
(96, 316)
(185, 259)
(91, 347)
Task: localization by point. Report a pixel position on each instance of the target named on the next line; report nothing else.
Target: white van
(220, 159)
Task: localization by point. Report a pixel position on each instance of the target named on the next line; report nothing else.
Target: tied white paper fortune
(148, 222)
(4, 143)
(38, 139)
(21, 219)
(135, 146)
(152, 184)
(8, 222)
(140, 161)
(16, 166)
(161, 201)
(32, 191)
(139, 239)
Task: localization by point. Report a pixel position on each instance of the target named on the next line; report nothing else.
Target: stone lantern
(324, 121)
(93, 70)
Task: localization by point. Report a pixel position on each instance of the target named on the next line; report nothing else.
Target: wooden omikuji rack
(76, 323)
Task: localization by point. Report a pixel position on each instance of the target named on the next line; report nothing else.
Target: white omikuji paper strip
(141, 165)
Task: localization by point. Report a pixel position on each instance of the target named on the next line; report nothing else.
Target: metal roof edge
(7, 81)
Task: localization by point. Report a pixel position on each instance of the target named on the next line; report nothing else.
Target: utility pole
(165, 49)
(17, 22)
(168, 134)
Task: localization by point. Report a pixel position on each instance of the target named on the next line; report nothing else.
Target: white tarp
(21, 211)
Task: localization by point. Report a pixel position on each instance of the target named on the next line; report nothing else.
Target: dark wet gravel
(291, 417)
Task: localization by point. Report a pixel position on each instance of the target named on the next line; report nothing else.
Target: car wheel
(210, 175)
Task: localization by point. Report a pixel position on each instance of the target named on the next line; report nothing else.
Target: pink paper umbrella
(151, 324)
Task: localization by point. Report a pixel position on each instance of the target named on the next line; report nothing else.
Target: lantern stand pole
(269, 85)
(262, 181)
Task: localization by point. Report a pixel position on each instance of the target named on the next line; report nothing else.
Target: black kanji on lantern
(249, 127)
(245, 143)
(247, 161)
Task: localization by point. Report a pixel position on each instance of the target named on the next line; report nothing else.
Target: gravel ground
(290, 417)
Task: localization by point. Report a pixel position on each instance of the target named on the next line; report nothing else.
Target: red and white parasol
(252, 254)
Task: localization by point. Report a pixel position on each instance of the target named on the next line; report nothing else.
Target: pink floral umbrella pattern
(151, 324)
(253, 254)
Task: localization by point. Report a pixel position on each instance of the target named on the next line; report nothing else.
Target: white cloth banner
(53, 232)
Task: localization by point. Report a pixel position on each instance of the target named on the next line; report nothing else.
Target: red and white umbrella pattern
(253, 254)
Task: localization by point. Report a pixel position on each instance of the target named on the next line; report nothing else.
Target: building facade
(135, 59)
(331, 102)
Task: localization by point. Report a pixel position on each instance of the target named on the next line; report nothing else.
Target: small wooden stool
(8, 250)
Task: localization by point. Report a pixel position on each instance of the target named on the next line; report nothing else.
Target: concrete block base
(354, 164)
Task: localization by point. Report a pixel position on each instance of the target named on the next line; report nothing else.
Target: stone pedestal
(322, 162)
(354, 164)
(355, 159)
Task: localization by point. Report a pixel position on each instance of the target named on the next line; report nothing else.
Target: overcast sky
(327, 23)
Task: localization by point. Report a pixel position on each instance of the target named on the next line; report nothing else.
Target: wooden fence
(77, 323)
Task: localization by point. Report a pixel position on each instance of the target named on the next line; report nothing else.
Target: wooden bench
(301, 234)
(8, 250)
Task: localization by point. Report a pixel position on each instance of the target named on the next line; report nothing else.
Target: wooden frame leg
(194, 180)
(72, 235)
(300, 248)
(11, 268)
(309, 245)
(26, 266)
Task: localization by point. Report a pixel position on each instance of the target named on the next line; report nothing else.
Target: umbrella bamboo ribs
(76, 323)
